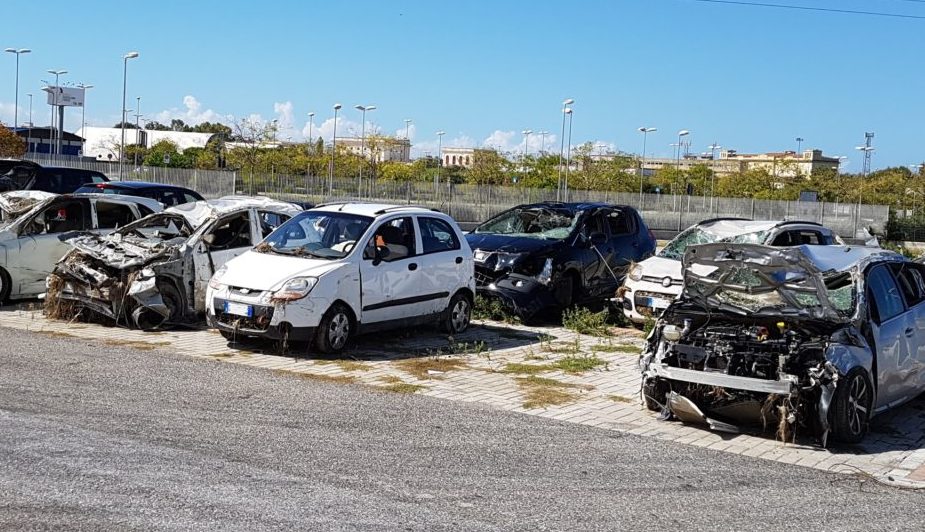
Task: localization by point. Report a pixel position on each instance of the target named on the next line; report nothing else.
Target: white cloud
(192, 113)
(7, 112)
(410, 131)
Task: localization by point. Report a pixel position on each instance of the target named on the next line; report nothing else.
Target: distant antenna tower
(868, 140)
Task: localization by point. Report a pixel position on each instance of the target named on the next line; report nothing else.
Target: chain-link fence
(473, 203)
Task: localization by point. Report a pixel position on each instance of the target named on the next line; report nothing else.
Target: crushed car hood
(510, 244)
(124, 251)
(19, 202)
(755, 279)
(267, 271)
(661, 267)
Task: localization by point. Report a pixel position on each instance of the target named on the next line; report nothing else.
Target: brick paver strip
(894, 452)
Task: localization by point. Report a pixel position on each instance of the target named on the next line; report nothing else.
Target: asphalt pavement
(103, 437)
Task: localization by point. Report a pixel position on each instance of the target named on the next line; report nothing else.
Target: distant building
(102, 143)
(464, 157)
(40, 140)
(785, 163)
(380, 149)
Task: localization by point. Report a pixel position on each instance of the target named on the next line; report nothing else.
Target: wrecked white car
(811, 339)
(33, 242)
(155, 272)
(18, 202)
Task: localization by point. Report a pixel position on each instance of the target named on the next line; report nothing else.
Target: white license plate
(658, 303)
(239, 309)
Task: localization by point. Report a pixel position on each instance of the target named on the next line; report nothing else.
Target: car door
(39, 246)
(224, 239)
(391, 286)
(595, 259)
(624, 241)
(442, 262)
(111, 214)
(892, 329)
(911, 280)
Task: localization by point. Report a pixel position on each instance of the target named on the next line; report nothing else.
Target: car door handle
(909, 332)
(458, 260)
(413, 266)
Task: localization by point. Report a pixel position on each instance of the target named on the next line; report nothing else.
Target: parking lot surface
(96, 436)
(545, 371)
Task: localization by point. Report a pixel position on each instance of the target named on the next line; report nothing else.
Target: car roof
(136, 185)
(842, 258)
(197, 212)
(574, 206)
(729, 227)
(371, 209)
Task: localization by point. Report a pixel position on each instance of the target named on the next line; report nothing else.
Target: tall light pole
(337, 107)
(868, 150)
(642, 161)
(18, 52)
(568, 152)
(54, 106)
(311, 122)
(681, 134)
(799, 145)
(542, 135)
(125, 58)
(565, 103)
(137, 127)
(363, 109)
(713, 147)
(523, 162)
(29, 133)
(439, 159)
(407, 128)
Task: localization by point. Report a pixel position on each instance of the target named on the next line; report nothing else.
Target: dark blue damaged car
(553, 255)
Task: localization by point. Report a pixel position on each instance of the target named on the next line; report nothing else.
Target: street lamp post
(565, 103)
(523, 162)
(337, 107)
(29, 131)
(18, 52)
(137, 129)
(125, 58)
(681, 134)
(439, 160)
(799, 145)
(407, 128)
(311, 122)
(54, 108)
(542, 135)
(642, 161)
(83, 111)
(363, 109)
(838, 162)
(713, 147)
(867, 149)
(568, 153)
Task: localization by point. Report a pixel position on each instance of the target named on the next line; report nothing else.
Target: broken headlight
(635, 273)
(295, 288)
(215, 281)
(507, 261)
(545, 275)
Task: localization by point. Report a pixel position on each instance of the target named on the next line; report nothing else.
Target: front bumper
(296, 320)
(522, 294)
(637, 300)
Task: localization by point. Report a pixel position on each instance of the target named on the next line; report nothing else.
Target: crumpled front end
(525, 285)
(121, 279)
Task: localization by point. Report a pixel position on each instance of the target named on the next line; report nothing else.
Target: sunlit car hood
(661, 267)
(267, 271)
(510, 244)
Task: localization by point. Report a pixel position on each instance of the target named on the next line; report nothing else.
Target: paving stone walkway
(544, 371)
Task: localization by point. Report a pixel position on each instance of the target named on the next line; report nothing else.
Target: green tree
(11, 144)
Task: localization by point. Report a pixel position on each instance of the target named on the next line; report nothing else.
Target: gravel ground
(98, 437)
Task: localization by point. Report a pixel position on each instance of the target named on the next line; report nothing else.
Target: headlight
(545, 274)
(295, 288)
(214, 282)
(506, 261)
(635, 273)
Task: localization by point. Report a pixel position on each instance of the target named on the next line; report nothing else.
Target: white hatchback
(347, 268)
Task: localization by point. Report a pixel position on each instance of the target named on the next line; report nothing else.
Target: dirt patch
(431, 368)
(345, 365)
(340, 379)
(402, 387)
(135, 344)
(540, 392)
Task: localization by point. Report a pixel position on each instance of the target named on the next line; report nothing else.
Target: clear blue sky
(749, 78)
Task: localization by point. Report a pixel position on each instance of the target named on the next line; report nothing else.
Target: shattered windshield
(782, 291)
(317, 234)
(163, 226)
(695, 236)
(533, 222)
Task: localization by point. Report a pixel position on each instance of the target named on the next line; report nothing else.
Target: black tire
(653, 394)
(6, 286)
(149, 320)
(566, 291)
(334, 330)
(457, 315)
(851, 406)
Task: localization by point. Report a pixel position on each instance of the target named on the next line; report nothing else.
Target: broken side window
(113, 215)
(229, 233)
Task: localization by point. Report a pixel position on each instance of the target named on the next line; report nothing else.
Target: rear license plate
(239, 309)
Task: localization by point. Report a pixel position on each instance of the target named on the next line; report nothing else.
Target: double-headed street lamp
(565, 111)
(18, 52)
(54, 107)
(337, 107)
(642, 161)
(542, 135)
(799, 145)
(363, 109)
(523, 162)
(407, 129)
(125, 58)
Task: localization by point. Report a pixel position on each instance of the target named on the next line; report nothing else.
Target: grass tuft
(579, 364)
(346, 365)
(620, 399)
(526, 369)
(616, 348)
(340, 379)
(135, 344)
(421, 367)
(540, 392)
(583, 321)
(402, 387)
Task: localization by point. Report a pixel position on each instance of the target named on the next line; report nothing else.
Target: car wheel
(334, 330)
(149, 320)
(851, 406)
(6, 286)
(653, 394)
(566, 290)
(457, 315)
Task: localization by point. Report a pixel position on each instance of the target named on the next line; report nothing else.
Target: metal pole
(362, 153)
(568, 154)
(29, 131)
(137, 130)
(16, 101)
(333, 151)
(561, 151)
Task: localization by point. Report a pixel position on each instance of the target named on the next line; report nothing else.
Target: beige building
(381, 149)
(464, 157)
(785, 163)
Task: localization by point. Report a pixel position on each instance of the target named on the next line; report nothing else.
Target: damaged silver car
(155, 271)
(18, 202)
(812, 340)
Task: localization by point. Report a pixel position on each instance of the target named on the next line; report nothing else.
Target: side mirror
(598, 239)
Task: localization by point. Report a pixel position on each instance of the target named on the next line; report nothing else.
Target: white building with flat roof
(464, 157)
(102, 143)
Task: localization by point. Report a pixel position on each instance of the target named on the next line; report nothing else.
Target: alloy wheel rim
(340, 328)
(460, 315)
(857, 404)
